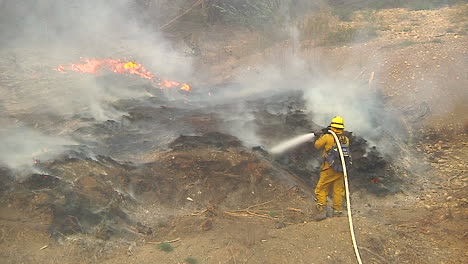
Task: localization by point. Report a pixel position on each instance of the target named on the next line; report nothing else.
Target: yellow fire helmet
(337, 122)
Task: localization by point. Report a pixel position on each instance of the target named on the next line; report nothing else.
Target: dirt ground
(232, 206)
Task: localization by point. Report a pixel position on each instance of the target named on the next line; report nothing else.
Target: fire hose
(348, 202)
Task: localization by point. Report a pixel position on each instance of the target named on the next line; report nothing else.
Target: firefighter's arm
(320, 142)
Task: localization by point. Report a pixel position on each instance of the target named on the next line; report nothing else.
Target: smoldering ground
(49, 36)
(22, 146)
(111, 115)
(324, 94)
(38, 36)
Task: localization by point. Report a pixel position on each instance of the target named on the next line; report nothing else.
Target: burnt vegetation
(177, 163)
(79, 192)
(86, 190)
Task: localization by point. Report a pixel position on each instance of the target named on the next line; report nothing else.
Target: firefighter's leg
(338, 191)
(323, 186)
(326, 181)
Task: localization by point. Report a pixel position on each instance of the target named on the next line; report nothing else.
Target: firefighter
(331, 171)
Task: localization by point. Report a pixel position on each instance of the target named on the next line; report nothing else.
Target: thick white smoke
(23, 146)
(328, 92)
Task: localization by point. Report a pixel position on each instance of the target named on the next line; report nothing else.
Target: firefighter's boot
(319, 212)
(337, 213)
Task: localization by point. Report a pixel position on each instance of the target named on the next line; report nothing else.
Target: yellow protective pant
(330, 179)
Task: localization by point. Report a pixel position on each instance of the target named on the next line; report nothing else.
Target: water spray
(291, 143)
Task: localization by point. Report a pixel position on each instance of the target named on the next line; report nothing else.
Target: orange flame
(118, 66)
(185, 87)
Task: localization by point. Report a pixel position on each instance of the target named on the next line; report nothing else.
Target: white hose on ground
(348, 202)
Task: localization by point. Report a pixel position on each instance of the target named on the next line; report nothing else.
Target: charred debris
(160, 154)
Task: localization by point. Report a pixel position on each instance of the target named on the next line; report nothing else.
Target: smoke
(37, 36)
(238, 118)
(329, 89)
(23, 146)
(360, 106)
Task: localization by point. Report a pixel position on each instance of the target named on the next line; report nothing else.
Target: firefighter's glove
(317, 133)
(325, 130)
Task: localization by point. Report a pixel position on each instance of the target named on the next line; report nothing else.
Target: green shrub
(273, 213)
(406, 43)
(438, 41)
(344, 14)
(191, 260)
(344, 34)
(165, 246)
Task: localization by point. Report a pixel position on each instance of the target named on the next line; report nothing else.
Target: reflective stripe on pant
(330, 179)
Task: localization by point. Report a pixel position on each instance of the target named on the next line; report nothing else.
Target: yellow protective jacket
(326, 142)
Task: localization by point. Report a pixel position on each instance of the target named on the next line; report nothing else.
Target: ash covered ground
(121, 182)
(163, 152)
(102, 166)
